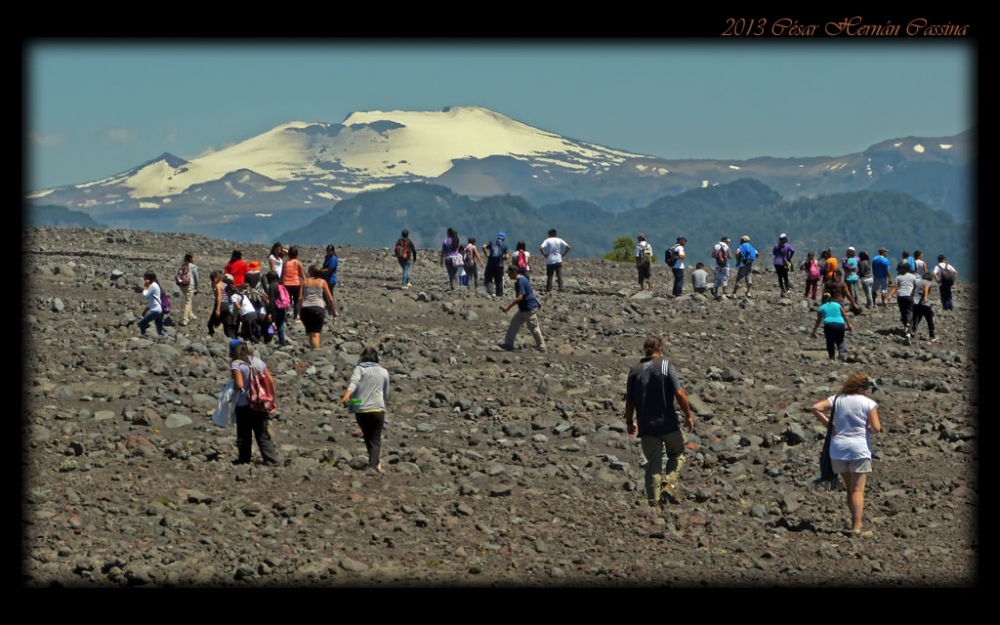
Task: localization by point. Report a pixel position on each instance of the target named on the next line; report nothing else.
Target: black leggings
(371, 424)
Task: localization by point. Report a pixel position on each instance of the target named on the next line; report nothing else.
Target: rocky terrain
(502, 468)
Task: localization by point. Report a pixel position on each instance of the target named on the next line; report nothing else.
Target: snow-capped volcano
(324, 162)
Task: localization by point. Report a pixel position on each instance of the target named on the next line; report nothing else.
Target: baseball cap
(850, 249)
(782, 236)
(233, 343)
(642, 237)
(726, 239)
(501, 236)
(745, 237)
(228, 277)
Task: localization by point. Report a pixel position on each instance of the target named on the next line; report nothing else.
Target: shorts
(745, 273)
(864, 465)
(880, 285)
(312, 318)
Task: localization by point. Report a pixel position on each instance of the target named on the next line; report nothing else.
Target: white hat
(782, 236)
(850, 249)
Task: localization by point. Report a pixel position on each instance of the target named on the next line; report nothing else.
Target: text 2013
(742, 27)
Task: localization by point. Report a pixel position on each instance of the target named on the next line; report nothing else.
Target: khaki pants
(519, 319)
(652, 447)
(188, 293)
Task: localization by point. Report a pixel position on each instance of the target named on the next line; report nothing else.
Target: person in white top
(855, 417)
(276, 259)
(154, 309)
(554, 249)
(678, 266)
(644, 261)
(946, 275)
(722, 255)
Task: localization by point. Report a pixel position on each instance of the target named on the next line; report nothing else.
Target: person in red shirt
(237, 268)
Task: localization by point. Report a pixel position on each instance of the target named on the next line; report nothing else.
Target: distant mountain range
(292, 173)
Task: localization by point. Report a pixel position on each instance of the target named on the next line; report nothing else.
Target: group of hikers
(252, 305)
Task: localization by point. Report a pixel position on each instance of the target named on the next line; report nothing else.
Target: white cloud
(38, 138)
(118, 135)
(171, 136)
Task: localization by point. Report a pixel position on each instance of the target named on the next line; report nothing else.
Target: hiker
(866, 279)
(783, 253)
(946, 275)
(830, 264)
(675, 260)
(644, 261)
(838, 290)
(316, 290)
(276, 258)
(292, 275)
(835, 325)
(922, 305)
(855, 417)
(472, 260)
(553, 248)
(522, 259)
(650, 392)
(905, 284)
(527, 311)
(850, 265)
(881, 278)
(237, 268)
(231, 314)
(220, 303)
(253, 275)
(365, 399)
(813, 271)
(450, 257)
(187, 280)
(275, 313)
(746, 254)
(329, 273)
(406, 256)
(919, 265)
(496, 254)
(699, 279)
(246, 312)
(153, 313)
(248, 421)
(722, 255)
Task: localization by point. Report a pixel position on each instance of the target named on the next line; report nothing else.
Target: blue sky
(96, 109)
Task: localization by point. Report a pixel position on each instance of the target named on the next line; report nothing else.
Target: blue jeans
(678, 280)
(155, 317)
(405, 264)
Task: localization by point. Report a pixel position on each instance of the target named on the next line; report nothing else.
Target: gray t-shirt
(905, 284)
(699, 279)
(918, 292)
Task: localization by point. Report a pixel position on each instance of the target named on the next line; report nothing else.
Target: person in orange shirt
(830, 268)
(292, 276)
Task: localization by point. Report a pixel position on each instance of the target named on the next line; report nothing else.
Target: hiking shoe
(671, 493)
(935, 339)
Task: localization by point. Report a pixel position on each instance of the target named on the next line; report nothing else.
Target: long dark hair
(276, 249)
(237, 255)
(369, 354)
(452, 239)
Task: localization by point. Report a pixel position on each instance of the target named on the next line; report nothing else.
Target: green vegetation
(622, 251)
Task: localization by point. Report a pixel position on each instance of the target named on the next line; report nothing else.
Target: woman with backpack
(472, 260)
(813, 272)
(251, 419)
(522, 258)
(154, 304)
(316, 290)
(365, 399)
(450, 257)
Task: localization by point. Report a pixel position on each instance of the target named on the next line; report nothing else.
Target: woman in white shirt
(855, 417)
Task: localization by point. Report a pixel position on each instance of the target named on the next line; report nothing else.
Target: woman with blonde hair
(854, 417)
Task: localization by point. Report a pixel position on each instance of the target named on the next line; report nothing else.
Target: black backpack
(670, 256)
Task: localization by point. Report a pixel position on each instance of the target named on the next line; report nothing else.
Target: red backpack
(522, 261)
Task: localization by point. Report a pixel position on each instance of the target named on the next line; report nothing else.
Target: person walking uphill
(365, 399)
(783, 253)
(249, 420)
(650, 392)
(554, 249)
(855, 417)
(527, 311)
(187, 280)
(451, 257)
(496, 253)
(644, 262)
(406, 256)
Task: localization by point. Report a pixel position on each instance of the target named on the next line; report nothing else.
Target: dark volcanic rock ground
(502, 468)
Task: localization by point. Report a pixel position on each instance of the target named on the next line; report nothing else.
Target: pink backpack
(284, 300)
(814, 271)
